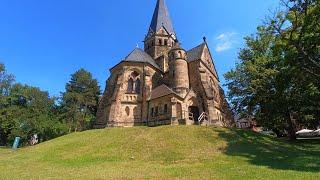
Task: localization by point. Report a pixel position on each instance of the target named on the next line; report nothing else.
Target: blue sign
(16, 143)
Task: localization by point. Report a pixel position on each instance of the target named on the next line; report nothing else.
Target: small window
(130, 86)
(157, 111)
(165, 42)
(152, 112)
(135, 112)
(137, 86)
(165, 110)
(128, 111)
(160, 42)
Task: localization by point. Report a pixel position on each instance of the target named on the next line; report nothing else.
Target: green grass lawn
(168, 152)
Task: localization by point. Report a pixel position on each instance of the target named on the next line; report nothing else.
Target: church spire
(161, 18)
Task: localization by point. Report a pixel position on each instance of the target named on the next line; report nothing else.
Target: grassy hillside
(188, 152)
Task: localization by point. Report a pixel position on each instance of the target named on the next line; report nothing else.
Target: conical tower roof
(161, 18)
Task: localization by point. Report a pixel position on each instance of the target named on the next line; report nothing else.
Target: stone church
(164, 84)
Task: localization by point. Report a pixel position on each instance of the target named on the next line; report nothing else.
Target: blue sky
(43, 42)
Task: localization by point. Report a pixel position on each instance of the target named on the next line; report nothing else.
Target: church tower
(161, 36)
(178, 70)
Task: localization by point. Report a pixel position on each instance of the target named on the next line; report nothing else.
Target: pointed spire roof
(161, 18)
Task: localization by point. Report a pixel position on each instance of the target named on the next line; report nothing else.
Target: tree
(277, 79)
(6, 81)
(30, 111)
(80, 101)
(26, 110)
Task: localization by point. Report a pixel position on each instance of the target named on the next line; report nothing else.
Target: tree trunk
(292, 126)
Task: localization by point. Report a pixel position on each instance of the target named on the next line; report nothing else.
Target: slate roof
(161, 91)
(161, 18)
(196, 53)
(138, 55)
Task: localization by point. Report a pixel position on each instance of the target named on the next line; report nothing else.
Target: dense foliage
(26, 110)
(277, 80)
(80, 101)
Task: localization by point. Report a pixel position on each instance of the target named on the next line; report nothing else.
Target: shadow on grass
(266, 151)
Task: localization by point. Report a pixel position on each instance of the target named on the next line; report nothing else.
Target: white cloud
(225, 41)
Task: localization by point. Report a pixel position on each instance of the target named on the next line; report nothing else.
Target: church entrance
(194, 114)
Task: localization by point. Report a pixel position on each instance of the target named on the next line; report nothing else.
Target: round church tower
(179, 73)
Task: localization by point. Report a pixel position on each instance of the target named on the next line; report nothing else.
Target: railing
(130, 98)
(191, 118)
(203, 117)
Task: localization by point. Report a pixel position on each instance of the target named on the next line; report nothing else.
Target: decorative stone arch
(134, 81)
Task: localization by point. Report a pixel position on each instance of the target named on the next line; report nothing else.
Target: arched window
(128, 111)
(134, 83)
(137, 86)
(165, 110)
(152, 112)
(157, 111)
(130, 86)
(180, 54)
(135, 112)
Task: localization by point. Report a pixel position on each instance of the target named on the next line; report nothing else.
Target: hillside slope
(166, 152)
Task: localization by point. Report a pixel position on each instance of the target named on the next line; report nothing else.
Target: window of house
(134, 83)
(157, 111)
(165, 42)
(152, 112)
(135, 112)
(160, 42)
(130, 86)
(137, 86)
(127, 111)
(165, 110)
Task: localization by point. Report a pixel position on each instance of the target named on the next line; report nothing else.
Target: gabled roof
(161, 91)
(196, 53)
(138, 55)
(161, 18)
